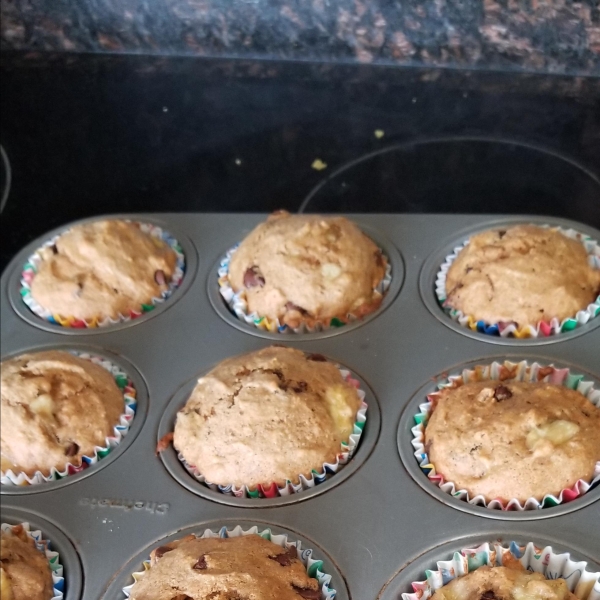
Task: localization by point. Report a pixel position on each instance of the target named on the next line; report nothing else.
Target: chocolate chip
(502, 233)
(299, 387)
(502, 393)
(489, 595)
(54, 249)
(307, 593)
(72, 449)
(161, 551)
(316, 357)
(292, 306)
(159, 277)
(285, 558)
(201, 564)
(253, 278)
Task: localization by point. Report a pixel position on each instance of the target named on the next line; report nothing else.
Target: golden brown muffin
(513, 439)
(102, 269)
(524, 274)
(25, 572)
(307, 268)
(225, 569)
(266, 416)
(56, 408)
(504, 583)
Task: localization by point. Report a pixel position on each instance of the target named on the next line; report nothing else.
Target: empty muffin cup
(120, 430)
(584, 584)
(156, 233)
(312, 565)
(543, 327)
(45, 547)
(503, 373)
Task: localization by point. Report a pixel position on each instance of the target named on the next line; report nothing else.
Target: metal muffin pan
(370, 524)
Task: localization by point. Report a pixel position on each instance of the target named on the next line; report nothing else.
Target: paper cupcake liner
(582, 583)
(511, 329)
(314, 567)
(272, 490)
(31, 267)
(44, 546)
(120, 430)
(238, 304)
(500, 372)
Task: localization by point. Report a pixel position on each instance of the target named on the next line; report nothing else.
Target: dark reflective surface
(460, 175)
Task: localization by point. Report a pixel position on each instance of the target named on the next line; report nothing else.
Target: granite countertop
(534, 35)
(93, 134)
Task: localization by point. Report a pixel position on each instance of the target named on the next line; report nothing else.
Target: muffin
(512, 439)
(307, 268)
(512, 582)
(222, 569)
(523, 274)
(56, 408)
(266, 417)
(102, 269)
(25, 572)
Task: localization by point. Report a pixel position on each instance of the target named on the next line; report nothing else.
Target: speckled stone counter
(536, 35)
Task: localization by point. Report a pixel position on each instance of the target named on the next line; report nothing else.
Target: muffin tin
(375, 524)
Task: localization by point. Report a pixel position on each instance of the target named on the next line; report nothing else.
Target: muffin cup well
(31, 267)
(521, 371)
(238, 304)
(44, 546)
(582, 583)
(510, 329)
(313, 566)
(120, 430)
(272, 490)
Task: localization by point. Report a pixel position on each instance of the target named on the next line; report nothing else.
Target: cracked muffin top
(524, 274)
(102, 269)
(25, 572)
(504, 583)
(56, 408)
(513, 439)
(240, 568)
(266, 417)
(299, 268)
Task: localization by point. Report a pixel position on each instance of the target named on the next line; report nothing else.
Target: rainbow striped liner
(45, 547)
(502, 371)
(584, 584)
(272, 490)
(314, 567)
(238, 304)
(511, 329)
(31, 267)
(119, 432)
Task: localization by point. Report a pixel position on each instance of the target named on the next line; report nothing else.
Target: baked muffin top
(265, 417)
(307, 267)
(524, 274)
(56, 407)
(504, 583)
(25, 572)
(225, 569)
(102, 268)
(511, 439)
